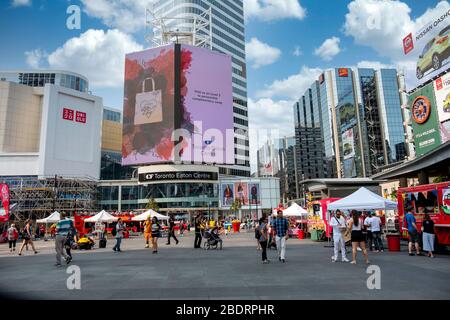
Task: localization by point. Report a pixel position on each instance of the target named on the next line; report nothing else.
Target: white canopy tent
(54, 217)
(102, 216)
(295, 211)
(363, 200)
(149, 213)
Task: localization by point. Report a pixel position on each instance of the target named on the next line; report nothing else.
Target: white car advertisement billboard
(442, 93)
(428, 50)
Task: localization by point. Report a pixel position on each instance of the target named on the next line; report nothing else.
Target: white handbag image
(148, 105)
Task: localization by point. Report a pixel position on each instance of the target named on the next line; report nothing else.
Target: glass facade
(394, 132)
(61, 79)
(369, 125)
(111, 115)
(228, 36)
(310, 151)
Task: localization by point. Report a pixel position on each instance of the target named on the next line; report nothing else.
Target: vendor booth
(55, 217)
(149, 213)
(318, 218)
(365, 200)
(297, 217)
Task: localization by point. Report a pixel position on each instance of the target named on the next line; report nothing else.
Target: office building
(361, 124)
(227, 35)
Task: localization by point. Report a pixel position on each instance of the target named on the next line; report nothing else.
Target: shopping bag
(148, 105)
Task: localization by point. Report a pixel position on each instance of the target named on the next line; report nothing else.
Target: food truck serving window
(423, 202)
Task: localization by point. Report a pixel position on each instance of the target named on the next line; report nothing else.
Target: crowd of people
(362, 229)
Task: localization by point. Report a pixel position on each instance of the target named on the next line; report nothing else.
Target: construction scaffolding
(183, 28)
(36, 198)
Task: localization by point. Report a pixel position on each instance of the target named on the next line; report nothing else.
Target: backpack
(114, 231)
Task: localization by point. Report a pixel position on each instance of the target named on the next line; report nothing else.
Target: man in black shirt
(171, 230)
(198, 232)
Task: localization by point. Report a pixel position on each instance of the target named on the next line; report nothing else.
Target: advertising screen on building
(254, 192)
(207, 103)
(347, 116)
(227, 194)
(4, 202)
(149, 106)
(241, 193)
(442, 93)
(178, 106)
(425, 121)
(427, 50)
(348, 143)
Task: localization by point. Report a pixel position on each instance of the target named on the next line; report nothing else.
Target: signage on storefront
(178, 176)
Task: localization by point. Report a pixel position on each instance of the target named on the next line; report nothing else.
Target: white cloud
(268, 10)
(268, 118)
(125, 15)
(96, 54)
(374, 65)
(292, 87)
(261, 54)
(21, 3)
(35, 57)
(329, 49)
(382, 25)
(297, 51)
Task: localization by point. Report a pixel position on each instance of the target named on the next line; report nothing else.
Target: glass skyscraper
(228, 36)
(349, 124)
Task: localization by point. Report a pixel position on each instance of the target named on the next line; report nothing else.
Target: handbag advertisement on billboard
(427, 50)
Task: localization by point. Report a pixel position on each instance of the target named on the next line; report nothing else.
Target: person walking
(171, 231)
(375, 226)
(428, 235)
(263, 237)
(70, 240)
(258, 236)
(410, 222)
(281, 226)
(368, 227)
(13, 235)
(62, 230)
(119, 235)
(198, 233)
(156, 233)
(356, 224)
(27, 235)
(148, 231)
(339, 227)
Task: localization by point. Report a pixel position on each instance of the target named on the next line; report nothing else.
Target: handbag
(347, 233)
(148, 107)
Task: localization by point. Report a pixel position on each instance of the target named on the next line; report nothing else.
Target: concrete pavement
(181, 272)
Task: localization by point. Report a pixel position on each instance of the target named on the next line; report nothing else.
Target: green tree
(235, 206)
(152, 204)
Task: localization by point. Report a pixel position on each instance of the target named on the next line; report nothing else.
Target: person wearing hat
(281, 227)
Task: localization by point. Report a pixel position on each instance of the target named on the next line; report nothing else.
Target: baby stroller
(213, 240)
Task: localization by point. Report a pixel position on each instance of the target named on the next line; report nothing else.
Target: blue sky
(33, 33)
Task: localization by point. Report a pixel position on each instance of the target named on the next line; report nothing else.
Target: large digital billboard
(427, 49)
(207, 102)
(227, 194)
(347, 116)
(149, 106)
(348, 143)
(254, 190)
(425, 121)
(241, 193)
(178, 106)
(442, 92)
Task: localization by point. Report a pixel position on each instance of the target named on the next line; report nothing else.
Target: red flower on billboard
(132, 69)
(186, 60)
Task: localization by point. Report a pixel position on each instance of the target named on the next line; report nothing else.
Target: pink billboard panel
(207, 102)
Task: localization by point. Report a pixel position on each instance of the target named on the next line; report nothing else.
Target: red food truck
(433, 199)
(320, 208)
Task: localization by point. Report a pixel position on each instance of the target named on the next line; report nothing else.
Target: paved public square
(180, 272)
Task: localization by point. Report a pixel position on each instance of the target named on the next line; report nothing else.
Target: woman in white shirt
(355, 224)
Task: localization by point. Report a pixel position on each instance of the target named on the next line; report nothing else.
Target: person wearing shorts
(410, 222)
(156, 233)
(358, 239)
